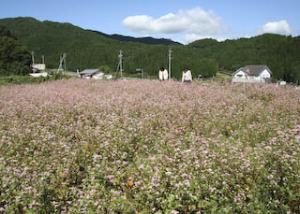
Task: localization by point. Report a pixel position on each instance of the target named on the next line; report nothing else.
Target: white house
(94, 74)
(91, 74)
(252, 74)
(38, 67)
(38, 70)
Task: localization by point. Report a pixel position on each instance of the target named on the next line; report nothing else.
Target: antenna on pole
(170, 62)
(120, 64)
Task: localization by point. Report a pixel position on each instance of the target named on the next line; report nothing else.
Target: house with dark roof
(252, 74)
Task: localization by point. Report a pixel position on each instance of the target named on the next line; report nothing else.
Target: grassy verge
(26, 79)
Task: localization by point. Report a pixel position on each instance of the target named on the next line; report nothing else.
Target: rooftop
(254, 70)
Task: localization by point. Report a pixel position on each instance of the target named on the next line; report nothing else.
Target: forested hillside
(280, 53)
(145, 40)
(87, 49)
(13, 56)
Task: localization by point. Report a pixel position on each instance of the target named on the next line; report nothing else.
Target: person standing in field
(163, 74)
(187, 76)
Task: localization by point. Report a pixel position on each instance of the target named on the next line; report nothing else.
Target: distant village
(246, 74)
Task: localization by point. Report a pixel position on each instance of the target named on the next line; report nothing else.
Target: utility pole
(32, 57)
(120, 65)
(140, 70)
(170, 62)
(60, 67)
(65, 61)
(62, 63)
(43, 59)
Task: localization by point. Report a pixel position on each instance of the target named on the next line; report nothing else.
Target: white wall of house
(265, 74)
(41, 74)
(39, 67)
(98, 76)
(243, 77)
(240, 75)
(249, 80)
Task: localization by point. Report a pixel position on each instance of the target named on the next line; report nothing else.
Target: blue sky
(181, 20)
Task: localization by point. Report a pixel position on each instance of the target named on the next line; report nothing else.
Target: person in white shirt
(186, 76)
(163, 74)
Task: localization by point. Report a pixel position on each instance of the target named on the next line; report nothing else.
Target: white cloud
(278, 27)
(194, 23)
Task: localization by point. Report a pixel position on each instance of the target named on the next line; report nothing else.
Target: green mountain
(89, 49)
(85, 49)
(145, 40)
